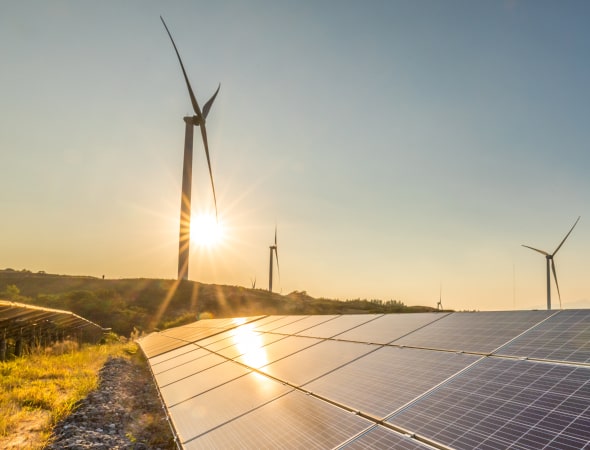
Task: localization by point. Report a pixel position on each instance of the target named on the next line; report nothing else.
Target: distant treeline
(146, 304)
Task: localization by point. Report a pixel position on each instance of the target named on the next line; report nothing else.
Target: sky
(403, 149)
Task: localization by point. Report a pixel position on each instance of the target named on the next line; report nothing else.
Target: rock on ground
(124, 413)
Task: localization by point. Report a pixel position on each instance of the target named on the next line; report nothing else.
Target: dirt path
(123, 413)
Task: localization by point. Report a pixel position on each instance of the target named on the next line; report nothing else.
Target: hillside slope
(146, 304)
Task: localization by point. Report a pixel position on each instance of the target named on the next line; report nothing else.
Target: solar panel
(338, 325)
(480, 332)
(501, 402)
(415, 381)
(292, 421)
(315, 361)
(201, 381)
(385, 380)
(563, 337)
(211, 409)
(389, 327)
(381, 437)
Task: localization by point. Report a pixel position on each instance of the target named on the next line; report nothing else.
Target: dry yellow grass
(39, 390)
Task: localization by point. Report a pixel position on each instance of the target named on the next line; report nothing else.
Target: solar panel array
(411, 381)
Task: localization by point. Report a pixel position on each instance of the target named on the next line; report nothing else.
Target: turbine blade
(204, 136)
(209, 103)
(556, 283)
(277, 258)
(188, 84)
(571, 229)
(275, 235)
(536, 249)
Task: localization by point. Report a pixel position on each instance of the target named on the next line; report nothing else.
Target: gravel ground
(125, 412)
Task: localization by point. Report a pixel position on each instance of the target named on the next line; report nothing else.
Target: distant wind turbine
(273, 248)
(439, 306)
(550, 261)
(198, 120)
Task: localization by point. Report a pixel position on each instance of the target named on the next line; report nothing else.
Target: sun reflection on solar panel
(250, 345)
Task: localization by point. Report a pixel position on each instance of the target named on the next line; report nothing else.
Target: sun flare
(206, 231)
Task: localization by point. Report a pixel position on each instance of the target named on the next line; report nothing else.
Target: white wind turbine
(551, 262)
(273, 248)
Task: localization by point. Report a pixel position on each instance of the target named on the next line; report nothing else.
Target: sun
(206, 230)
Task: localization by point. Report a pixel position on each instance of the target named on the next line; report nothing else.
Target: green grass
(39, 390)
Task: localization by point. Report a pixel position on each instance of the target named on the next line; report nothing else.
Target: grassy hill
(146, 304)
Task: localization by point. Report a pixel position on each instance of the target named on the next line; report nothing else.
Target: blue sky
(397, 145)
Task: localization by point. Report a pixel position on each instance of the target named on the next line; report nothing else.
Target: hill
(146, 304)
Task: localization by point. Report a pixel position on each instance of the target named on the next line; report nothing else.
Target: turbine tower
(198, 120)
(273, 248)
(551, 262)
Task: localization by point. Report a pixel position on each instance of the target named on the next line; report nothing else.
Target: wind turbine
(550, 261)
(273, 248)
(439, 306)
(198, 120)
